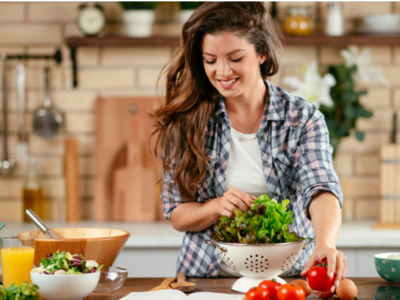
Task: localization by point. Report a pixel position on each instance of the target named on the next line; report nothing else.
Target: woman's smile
(228, 83)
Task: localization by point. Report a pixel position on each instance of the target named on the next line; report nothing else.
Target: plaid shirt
(297, 164)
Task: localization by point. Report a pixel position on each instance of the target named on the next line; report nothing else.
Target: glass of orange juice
(17, 254)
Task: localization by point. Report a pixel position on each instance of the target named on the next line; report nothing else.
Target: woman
(227, 135)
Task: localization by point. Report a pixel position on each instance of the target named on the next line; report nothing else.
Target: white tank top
(245, 169)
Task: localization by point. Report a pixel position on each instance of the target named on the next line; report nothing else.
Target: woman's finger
(242, 199)
(339, 268)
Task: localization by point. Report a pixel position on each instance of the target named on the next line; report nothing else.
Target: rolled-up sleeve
(316, 169)
(171, 196)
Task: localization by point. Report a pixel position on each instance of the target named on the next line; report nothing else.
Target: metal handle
(21, 99)
(4, 92)
(39, 223)
(222, 249)
(47, 100)
(307, 241)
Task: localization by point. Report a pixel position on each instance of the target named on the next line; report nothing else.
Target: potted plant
(337, 94)
(187, 9)
(138, 17)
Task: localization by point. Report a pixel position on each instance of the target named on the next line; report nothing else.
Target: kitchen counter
(368, 288)
(162, 235)
(152, 249)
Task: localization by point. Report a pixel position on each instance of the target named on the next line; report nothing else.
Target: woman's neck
(245, 112)
(248, 104)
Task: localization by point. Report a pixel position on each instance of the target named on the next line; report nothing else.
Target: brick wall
(41, 27)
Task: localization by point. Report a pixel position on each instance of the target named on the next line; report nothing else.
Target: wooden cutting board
(120, 120)
(389, 187)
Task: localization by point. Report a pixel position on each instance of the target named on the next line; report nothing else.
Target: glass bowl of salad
(111, 279)
(63, 276)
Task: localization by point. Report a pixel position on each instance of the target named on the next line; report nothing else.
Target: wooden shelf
(315, 40)
(340, 41)
(122, 41)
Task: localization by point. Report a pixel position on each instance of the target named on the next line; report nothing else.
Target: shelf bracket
(74, 67)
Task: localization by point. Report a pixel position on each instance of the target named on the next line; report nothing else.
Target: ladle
(182, 284)
(47, 121)
(7, 165)
(39, 223)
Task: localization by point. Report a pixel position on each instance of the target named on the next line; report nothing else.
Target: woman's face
(232, 64)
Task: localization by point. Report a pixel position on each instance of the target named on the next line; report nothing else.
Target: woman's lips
(227, 84)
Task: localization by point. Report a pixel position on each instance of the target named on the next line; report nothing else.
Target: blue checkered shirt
(297, 164)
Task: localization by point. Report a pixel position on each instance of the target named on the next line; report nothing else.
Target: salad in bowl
(64, 263)
(63, 276)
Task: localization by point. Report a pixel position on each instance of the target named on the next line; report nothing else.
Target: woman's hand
(234, 199)
(335, 260)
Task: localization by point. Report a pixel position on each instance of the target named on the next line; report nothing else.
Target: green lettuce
(24, 291)
(267, 221)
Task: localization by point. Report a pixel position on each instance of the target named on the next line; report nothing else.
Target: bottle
(32, 193)
(298, 21)
(334, 21)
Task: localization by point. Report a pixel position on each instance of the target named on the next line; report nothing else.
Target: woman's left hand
(336, 261)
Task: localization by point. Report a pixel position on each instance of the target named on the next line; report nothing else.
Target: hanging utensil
(7, 165)
(22, 144)
(47, 121)
(40, 224)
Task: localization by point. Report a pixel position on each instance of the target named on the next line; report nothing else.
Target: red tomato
(291, 292)
(324, 295)
(319, 280)
(271, 286)
(257, 293)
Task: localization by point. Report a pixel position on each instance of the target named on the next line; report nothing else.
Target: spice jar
(298, 21)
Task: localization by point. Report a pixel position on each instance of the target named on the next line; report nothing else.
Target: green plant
(341, 118)
(138, 5)
(187, 5)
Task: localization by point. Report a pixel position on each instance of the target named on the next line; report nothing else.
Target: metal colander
(260, 260)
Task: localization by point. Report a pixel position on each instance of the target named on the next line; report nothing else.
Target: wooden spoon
(165, 285)
(182, 284)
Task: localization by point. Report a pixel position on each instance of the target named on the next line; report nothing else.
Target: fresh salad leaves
(24, 291)
(63, 263)
(266, 222)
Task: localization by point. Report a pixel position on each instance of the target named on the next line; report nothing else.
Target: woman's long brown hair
(181, 121)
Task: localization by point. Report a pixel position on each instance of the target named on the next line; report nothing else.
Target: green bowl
(388, 268)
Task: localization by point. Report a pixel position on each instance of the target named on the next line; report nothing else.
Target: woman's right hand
(234, 199)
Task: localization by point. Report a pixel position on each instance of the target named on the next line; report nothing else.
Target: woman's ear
(263, 58)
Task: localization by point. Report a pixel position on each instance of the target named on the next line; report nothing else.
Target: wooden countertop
(368, 288)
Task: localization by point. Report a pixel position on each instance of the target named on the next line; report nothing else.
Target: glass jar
(32, 193)
(334, 22)
(298, 21)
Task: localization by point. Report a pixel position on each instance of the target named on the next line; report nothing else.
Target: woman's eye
(237, 59)
(210, 62)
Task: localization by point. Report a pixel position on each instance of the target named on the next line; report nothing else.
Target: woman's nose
(223, 68)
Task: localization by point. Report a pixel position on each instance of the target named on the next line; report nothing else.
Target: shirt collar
(274, 110)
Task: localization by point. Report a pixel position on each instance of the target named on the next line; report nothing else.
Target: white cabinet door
(148, 262)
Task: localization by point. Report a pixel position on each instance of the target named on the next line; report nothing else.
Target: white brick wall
(40, 27)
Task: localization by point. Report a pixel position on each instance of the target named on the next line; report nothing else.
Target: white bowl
(382, 22)
(65, 287)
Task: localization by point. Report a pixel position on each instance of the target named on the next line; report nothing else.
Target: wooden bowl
(100, 244)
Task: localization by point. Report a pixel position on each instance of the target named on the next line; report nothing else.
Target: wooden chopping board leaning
(126, 171)
(390, 183)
